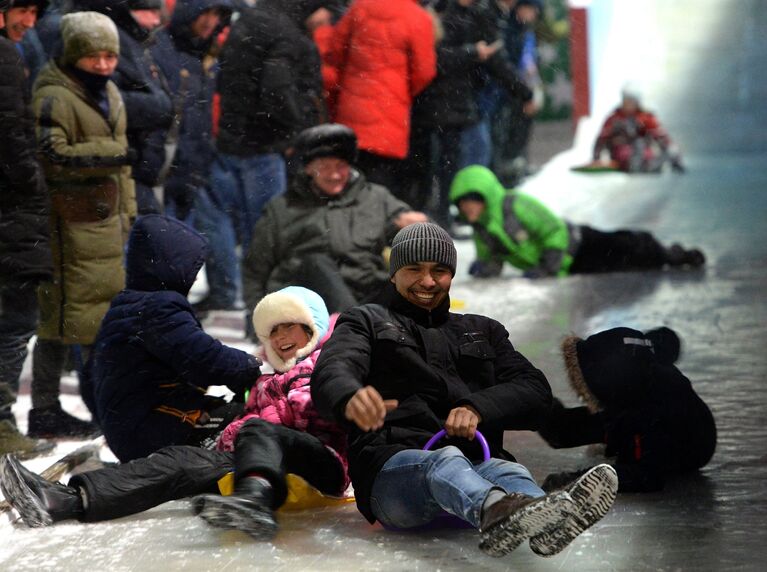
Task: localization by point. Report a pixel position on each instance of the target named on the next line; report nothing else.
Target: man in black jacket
(25, 256)
(399, 371)
(270, 87)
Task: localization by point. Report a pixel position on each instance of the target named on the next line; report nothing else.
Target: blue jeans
(476, 145)
(415, 487)
(240, 187)
(222, 268)
(18, 321)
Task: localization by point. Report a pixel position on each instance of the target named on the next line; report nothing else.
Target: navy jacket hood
(163, 254)
(185, 13)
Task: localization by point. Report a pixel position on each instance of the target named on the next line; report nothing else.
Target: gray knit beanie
(84, 33)
(422, 242)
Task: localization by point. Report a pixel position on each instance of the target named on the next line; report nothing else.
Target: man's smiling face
(425, 284)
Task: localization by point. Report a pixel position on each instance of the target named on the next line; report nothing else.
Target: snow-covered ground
(698, 62)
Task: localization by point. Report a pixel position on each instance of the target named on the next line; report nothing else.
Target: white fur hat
(293, 304)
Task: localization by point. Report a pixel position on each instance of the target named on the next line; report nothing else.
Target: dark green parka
(353, 228)
(85, 156)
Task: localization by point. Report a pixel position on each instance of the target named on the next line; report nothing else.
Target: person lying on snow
(513, 227)
(279, 433)
(635, 139)
(636, 402)
(397, 372)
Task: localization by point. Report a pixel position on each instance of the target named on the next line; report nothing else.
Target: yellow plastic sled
(301, 495)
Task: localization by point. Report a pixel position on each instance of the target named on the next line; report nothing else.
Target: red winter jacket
(621, 128)
(384, 53)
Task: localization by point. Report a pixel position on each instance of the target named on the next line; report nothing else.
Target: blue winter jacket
(152, 361)
(180, 58)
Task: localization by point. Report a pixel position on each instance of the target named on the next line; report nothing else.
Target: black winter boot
(52, 422)
(39, 502)
(676, 255)
(517, 517)
(249, 509)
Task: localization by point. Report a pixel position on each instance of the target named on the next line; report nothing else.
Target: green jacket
(353, 228)
(84, 156)
(514, 227)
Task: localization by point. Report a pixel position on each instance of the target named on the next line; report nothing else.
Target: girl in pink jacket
(280, 431)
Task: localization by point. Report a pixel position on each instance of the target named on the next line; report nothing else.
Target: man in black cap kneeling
(399, 371)
(329, 230)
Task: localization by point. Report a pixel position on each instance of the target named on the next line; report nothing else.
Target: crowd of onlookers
(114, 109)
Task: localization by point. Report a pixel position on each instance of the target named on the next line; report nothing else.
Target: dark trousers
(319, 272)
(617, 251)
(18, 320)
(169, 474)
(272, 451)
(434, 157)
(48, 360)
(172, 473)
(384, 171)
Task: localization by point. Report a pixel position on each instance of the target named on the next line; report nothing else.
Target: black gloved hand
(556, 481)
(485, 269)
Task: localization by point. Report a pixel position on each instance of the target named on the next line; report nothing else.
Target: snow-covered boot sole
(236, 513)
(20, 496)
(593, 495)
(543, 515)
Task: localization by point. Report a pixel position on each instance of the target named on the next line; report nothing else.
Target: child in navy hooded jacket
(152, 362)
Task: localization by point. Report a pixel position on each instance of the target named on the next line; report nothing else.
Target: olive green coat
(84, 157)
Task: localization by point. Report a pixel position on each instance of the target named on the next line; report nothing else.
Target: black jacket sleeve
(18, 165)
(343, 365)
(199, 358)
(521, 396)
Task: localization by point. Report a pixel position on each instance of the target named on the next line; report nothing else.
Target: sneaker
(39, 502)
(516, 518)
(593, 495)
(12, 441)
(53, 422)
(249, 509)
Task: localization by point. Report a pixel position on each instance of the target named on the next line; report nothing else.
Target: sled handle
(477, 435)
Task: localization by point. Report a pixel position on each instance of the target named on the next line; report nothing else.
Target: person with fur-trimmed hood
(636, 402)
(280, 432)
(329, 230)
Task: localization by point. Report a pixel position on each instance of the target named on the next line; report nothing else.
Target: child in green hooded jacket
(512, 227)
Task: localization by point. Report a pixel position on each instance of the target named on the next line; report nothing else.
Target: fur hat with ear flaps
(296, 305)
(613, 369)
